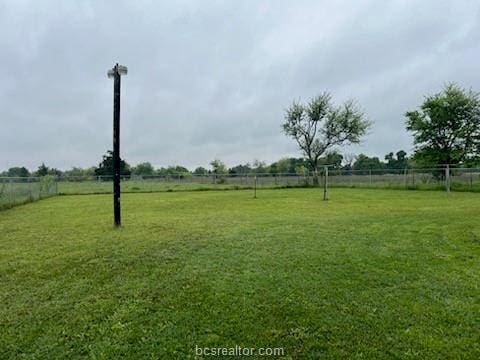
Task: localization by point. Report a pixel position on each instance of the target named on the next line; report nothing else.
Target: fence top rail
(332, 171)
(20, 178)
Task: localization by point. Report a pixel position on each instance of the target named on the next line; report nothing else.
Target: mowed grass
(368, 274)
(187, 184)
(194, 184)
(106, 187)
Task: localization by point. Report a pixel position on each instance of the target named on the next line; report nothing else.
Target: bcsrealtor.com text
(238, 351)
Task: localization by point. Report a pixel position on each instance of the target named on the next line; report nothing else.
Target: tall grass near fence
(17, 191)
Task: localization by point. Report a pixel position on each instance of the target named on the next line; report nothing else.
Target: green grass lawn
(187, 184)
(192, 184)
(106, 187)
(369, 274)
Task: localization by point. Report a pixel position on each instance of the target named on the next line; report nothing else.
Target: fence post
(30, 189)
(405, 177)
(447, 178)
(325, 184)
(255, 187)
(12, 191)
(370, 176)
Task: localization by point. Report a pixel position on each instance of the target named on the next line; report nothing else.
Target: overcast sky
(211, 79)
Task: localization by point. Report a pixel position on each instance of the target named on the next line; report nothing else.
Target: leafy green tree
(397, 161)
(319, 126)
(80, 172)
(89, 171)
(144, 168)
(74, 171)
(178, 171)
(218, 167)
(259, 167)
(390, 159)
(181, 170)
(401, 156)
(18, 172)
(105, 168)
(173, 171)
(55, 172)
(161, 171)
(240, 169)
(200, 171)
(363, 162)
(301, 170)
(287, 165)
(446, 128)
(332, 158)
(280, 167)
(42, 170)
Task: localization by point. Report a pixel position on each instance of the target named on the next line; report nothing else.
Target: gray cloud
(212, 79)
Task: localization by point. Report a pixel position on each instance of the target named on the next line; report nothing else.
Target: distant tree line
(22, 171)
(291, 165)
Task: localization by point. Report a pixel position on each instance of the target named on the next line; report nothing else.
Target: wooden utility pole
(115, 73)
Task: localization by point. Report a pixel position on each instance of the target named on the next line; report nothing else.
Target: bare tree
(319, 126)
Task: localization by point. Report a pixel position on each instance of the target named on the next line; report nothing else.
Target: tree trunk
(315, 176)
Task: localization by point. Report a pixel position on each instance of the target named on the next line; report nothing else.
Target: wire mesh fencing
(446, 178)
(454, 179)
(20, 190)
(14, 191)
(178, 182)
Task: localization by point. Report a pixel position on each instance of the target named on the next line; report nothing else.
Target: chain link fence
(20, 190)
(455, 179)
(180, 182)
(447, 178)
(15, 191)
